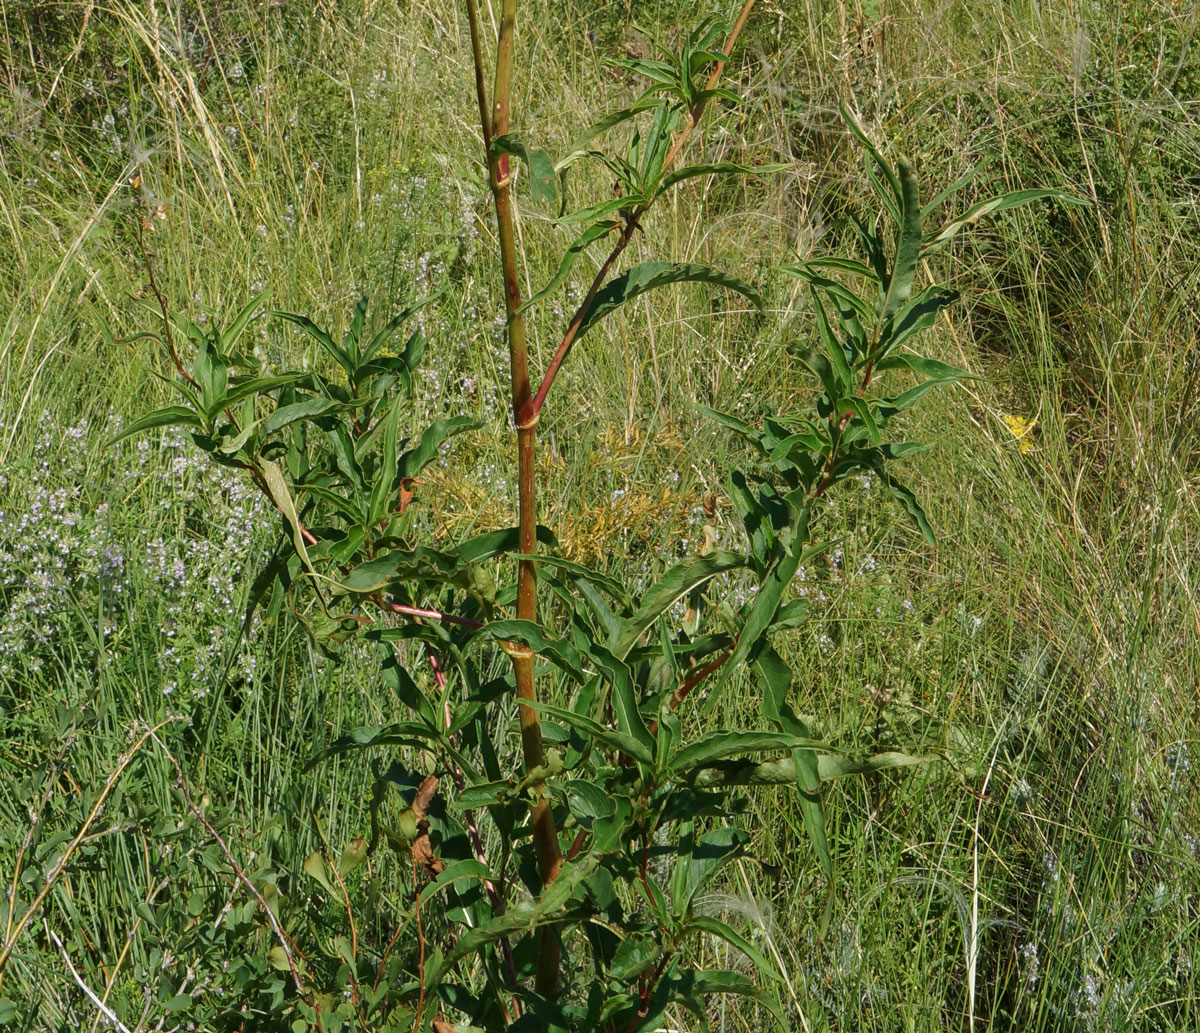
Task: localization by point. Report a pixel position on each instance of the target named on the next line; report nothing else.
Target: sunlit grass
(1042, 876)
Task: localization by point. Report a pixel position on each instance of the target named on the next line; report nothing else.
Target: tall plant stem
(545, 834)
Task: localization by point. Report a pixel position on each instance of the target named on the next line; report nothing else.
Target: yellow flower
(1021, 429)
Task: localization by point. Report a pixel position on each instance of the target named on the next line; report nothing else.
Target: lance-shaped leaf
(558, 651)
(419, 564)
(556, 904)
(305, 410)
(776, 683)
(321, 337)
(614, 738)
(579, 147)
(413, 348)
(699, 859)
(939, 371)
(623, 695)
(789, 554)
(908, 250)
(244, 388)
(989, 207)
(917, 315)
(278, 489)
(171, 416)
(720, 168)
(783, 771)
(354, 331)
(718, 746)
(715, 927)
(677, 583)
(581, 244)
(890, 192)
(226, 341)
(416, 458)
(649, 275)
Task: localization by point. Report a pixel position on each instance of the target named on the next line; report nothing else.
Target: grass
(1040, 877)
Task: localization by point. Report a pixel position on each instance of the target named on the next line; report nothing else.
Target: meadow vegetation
(1040, 872)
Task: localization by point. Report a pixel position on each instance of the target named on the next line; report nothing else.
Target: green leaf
(677, 583)
(581, 244)
(243, 388)
(989, 207)
(908, 251)
(648, 276)
(623, 695)
(321, 337)
(354, 332)
(552, 906)
(776, 678)
(277, 488)
(618, 740)
(723, 931)
(227, 339)
(307, 409)
(784, 770)
(762, 611)
(171, 416)
(939, 371)
(837, 379)
(314, 868)
(699, 860)
(419, 564)
(579, 147)
(909, 501)
(918, 314)
(419, 456)
(467, 869)
(720, 168)
(890, 200)
(353, 854)
(600, 210)
(720, 745)
(407, 691)
(541, 169)
(211, 373)
(558, 651)
(802, 270)
(862, 410)
(399, 733)
(842, 297)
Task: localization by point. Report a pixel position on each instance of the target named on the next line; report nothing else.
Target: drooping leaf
(719, 168)
(171, 416)
(723, 931)
(278, 489)
(558, 651)
(648, 276)
(989, 207)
